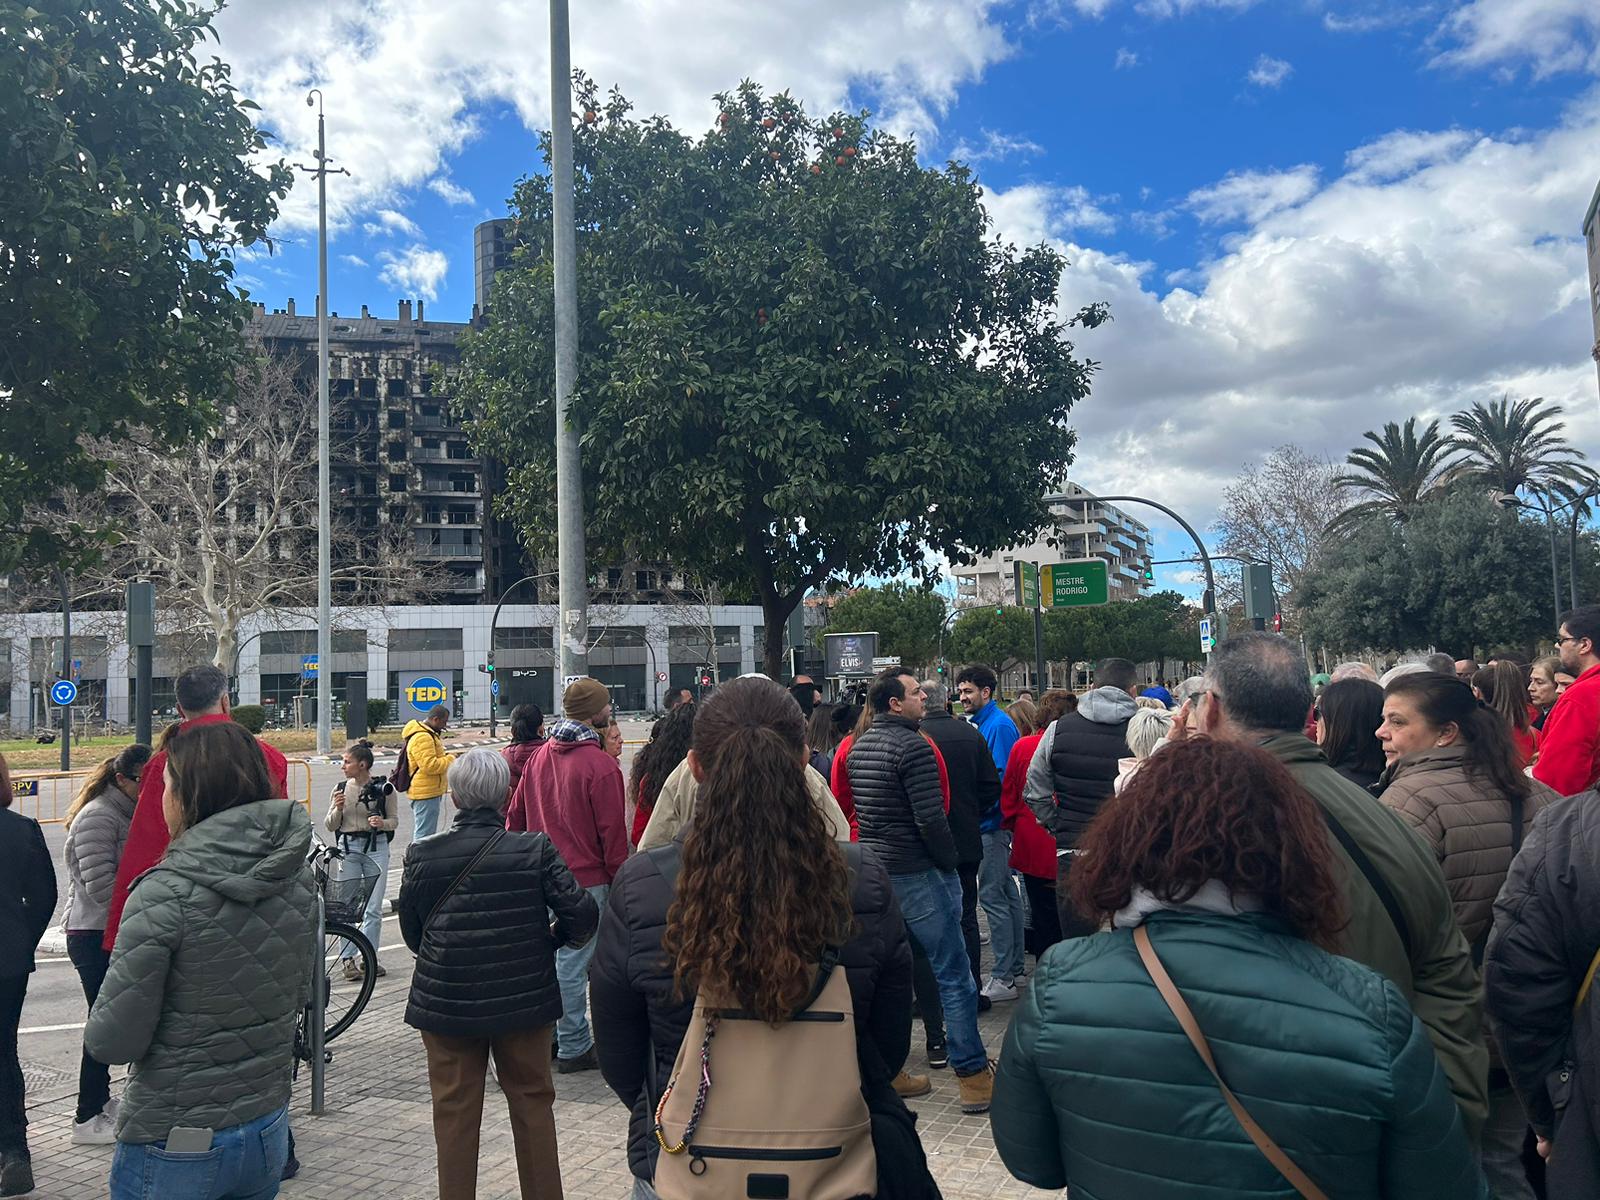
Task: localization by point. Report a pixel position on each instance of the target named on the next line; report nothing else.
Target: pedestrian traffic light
(1277, 622)
(998, 609)
(705, 680)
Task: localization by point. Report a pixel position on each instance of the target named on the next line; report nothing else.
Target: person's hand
(1180, 723)
(374, 822)
(1544, 1146)
(338, 799)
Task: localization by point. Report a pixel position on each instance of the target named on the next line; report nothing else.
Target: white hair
(1353, 670)
(480, 779)
(1405, 668)
(1147, 729)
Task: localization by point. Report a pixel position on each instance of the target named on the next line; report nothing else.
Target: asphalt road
(51, 1035)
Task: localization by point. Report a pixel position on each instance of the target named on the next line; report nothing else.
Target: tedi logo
(426, 692)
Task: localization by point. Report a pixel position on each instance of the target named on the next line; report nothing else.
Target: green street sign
(1027, 580)
(1077, 584)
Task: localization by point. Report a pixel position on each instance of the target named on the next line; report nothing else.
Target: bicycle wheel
(346, 998)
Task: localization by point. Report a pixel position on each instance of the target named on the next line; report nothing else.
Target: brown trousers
(456, 1069)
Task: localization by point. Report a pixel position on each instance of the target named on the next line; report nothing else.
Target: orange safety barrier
(46, 795)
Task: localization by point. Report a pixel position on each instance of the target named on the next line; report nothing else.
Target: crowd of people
(1291, 934)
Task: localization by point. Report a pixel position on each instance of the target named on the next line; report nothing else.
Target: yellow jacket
(430, 765)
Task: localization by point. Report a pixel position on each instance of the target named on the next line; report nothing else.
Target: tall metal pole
(66, 669)
(573, 622)
(494, 621)
(324, 489)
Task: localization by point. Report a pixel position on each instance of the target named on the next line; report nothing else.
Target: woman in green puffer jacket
(210, 971)
(1225, 863)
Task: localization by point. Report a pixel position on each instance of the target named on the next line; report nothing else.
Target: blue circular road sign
(63, 691)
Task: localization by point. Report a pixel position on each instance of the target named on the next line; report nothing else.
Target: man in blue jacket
(997, 888)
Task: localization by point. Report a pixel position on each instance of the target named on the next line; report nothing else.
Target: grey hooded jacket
(211, 968)
(94, 848)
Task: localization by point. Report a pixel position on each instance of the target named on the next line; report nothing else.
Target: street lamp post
(1208, 604)
(1507, 500)
(573, 623)
(1576, 505)
(324, 503)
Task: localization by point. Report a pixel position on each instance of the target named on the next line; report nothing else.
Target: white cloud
(450, 191)
(1033, 212)
(391, 222)
(996, 147)
(1434, 272)
(355, 260)
(1126, 59)
(406, 80)
(1269, 72)
(1370, 21)
(416, 270)
(1251, 196)
(1550, 36)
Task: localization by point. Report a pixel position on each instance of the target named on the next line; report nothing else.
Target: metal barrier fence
(46, 795)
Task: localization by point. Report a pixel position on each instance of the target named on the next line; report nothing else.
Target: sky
(1308, 217)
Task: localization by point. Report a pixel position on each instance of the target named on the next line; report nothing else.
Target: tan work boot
(977, 1090)
(910, 1086)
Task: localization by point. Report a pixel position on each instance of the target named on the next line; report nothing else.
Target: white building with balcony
(1084, 527)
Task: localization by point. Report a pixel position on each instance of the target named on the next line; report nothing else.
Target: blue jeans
(244, 1163)
(997, 892)
(930, 902)
(573, 1036)
(372, 918)
(425, 818)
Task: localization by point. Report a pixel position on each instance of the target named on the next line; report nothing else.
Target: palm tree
(1399, 472)
(1509, 447)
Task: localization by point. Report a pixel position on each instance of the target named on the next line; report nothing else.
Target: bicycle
(345, 880)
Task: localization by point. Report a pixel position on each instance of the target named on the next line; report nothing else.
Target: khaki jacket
(1465, 821)
(675, 807)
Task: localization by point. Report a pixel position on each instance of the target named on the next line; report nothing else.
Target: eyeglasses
(1564, 638)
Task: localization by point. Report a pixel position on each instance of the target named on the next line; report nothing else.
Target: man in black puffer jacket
(474, 906)
(900, 810)
(1074, 771)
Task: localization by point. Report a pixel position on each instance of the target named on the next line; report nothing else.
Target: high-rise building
(491, 252)
(1591, 241)
(1084, 527)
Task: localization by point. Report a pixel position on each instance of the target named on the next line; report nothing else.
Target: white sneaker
(98, 1130)
(113, 1108)
(998, 992)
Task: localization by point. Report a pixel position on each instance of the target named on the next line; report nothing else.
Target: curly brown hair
(764, 888)
(1207, 809)
(1053, 705)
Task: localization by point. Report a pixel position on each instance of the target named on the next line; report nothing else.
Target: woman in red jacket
(1033, 851)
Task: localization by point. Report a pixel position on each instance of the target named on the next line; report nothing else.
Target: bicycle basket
(347, 883)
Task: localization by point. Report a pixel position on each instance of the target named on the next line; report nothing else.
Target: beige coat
(1465, 821)
(675, 807)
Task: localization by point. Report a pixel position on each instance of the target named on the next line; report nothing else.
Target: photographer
(363, 815)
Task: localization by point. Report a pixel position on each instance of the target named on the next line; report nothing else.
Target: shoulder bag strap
(477, 858)
(1588, 982)
(1374, 877)
(1191, 1028)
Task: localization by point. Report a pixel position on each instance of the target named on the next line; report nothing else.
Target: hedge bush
(377, 713)
(252, 716)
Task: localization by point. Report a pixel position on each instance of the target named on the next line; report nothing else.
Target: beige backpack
(784, 1119)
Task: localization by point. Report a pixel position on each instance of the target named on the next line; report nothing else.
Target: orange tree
(803, 356)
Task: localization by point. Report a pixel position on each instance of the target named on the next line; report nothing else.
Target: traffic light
(705, 680)
(998, 609)
(1277, 622)
(941, 668)
(1149, 574)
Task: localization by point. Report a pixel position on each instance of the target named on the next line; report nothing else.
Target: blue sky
(1309, 216)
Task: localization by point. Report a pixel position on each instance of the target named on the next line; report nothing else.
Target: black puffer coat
(974, 780)
(894, 777)
(1545, 939)
(639, 1021)
(487, 965)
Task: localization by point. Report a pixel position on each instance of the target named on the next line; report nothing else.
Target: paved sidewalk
(376, 1139)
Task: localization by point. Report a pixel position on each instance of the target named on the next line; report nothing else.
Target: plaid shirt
(564, 730)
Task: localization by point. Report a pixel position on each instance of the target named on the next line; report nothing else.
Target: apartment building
(1083, 527)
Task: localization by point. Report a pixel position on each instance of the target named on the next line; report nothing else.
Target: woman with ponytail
(97, 830)
(1503, 686)
(742, 904)
(1455, 776)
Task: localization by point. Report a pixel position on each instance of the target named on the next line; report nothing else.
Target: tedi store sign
(420, 693)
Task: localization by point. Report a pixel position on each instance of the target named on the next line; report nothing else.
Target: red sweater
(148, 835)
(572, 792)
(840, 783)
(1033, 851)
(1569, 743)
